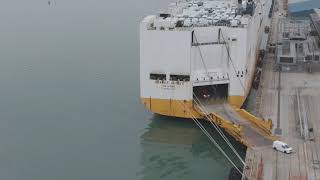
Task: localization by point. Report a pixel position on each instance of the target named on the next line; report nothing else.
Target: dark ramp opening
(211, 93)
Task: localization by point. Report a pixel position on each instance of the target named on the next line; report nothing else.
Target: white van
(282, 146)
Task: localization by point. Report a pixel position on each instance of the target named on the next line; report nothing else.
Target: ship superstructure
(200, 49)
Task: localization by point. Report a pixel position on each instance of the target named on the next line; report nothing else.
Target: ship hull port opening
(211, 93)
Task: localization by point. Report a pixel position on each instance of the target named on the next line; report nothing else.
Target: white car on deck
(282, 146)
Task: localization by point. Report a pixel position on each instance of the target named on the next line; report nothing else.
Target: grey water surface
(69, 98)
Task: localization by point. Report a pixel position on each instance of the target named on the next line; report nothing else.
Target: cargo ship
(203, 49)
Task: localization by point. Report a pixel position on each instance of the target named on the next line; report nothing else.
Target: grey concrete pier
(292, 101)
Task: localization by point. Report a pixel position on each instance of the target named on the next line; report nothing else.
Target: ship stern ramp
(243, 126)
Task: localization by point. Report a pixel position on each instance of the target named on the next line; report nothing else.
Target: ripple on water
(175, 148)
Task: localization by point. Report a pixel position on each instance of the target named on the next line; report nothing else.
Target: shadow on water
(175, 148)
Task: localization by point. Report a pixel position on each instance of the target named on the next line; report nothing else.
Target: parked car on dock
(282, 146)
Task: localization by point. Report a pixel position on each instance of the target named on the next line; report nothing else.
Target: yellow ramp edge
(235, 130)
(264, 125)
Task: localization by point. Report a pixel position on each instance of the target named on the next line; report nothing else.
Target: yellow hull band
(181, 108)
(170, 107)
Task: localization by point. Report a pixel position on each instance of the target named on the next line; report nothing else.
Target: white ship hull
(179, 63)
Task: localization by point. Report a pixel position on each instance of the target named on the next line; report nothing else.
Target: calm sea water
(69, 98)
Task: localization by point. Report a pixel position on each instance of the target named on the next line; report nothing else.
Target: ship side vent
(179, 77)
(158, 76)
(164, 15)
